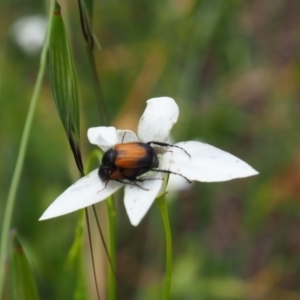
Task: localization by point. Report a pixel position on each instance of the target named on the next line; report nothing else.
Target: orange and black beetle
(128, 161)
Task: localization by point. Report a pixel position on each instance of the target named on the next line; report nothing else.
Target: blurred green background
(234, 69)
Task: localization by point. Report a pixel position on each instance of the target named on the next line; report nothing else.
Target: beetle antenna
(169, 145)
(106, 182)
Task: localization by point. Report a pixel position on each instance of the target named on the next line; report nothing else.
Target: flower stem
(162, 204)
(111, 247)
(20, 159)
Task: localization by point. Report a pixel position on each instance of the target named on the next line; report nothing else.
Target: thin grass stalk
(91, 250)
(112, 292)
(8, 211)
(87, 30)
(162, 204)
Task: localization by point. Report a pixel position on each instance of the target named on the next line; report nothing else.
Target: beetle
(128, 161)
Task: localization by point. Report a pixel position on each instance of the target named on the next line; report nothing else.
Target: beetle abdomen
(135, 155)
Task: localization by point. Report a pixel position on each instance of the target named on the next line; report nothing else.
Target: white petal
(158, 119)
(29, 33)
(138, 200)
(86, 191)
(104, 137)
(126, 136)
(205, 163)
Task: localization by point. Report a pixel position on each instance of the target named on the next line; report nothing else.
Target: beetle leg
(123, 137)
(170, 172)
(131, 183)
(168, 146)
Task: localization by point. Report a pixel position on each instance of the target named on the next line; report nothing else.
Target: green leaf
(64, 83)
(24, 286)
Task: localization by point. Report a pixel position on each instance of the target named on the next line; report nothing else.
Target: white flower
(29, 33)
(202, 163)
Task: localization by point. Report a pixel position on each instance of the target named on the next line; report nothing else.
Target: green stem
(111, 248)
(20, 159)
(97, 87)
(162, 204)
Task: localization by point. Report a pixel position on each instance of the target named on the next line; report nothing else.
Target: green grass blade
(24, 285)
(64, 83)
